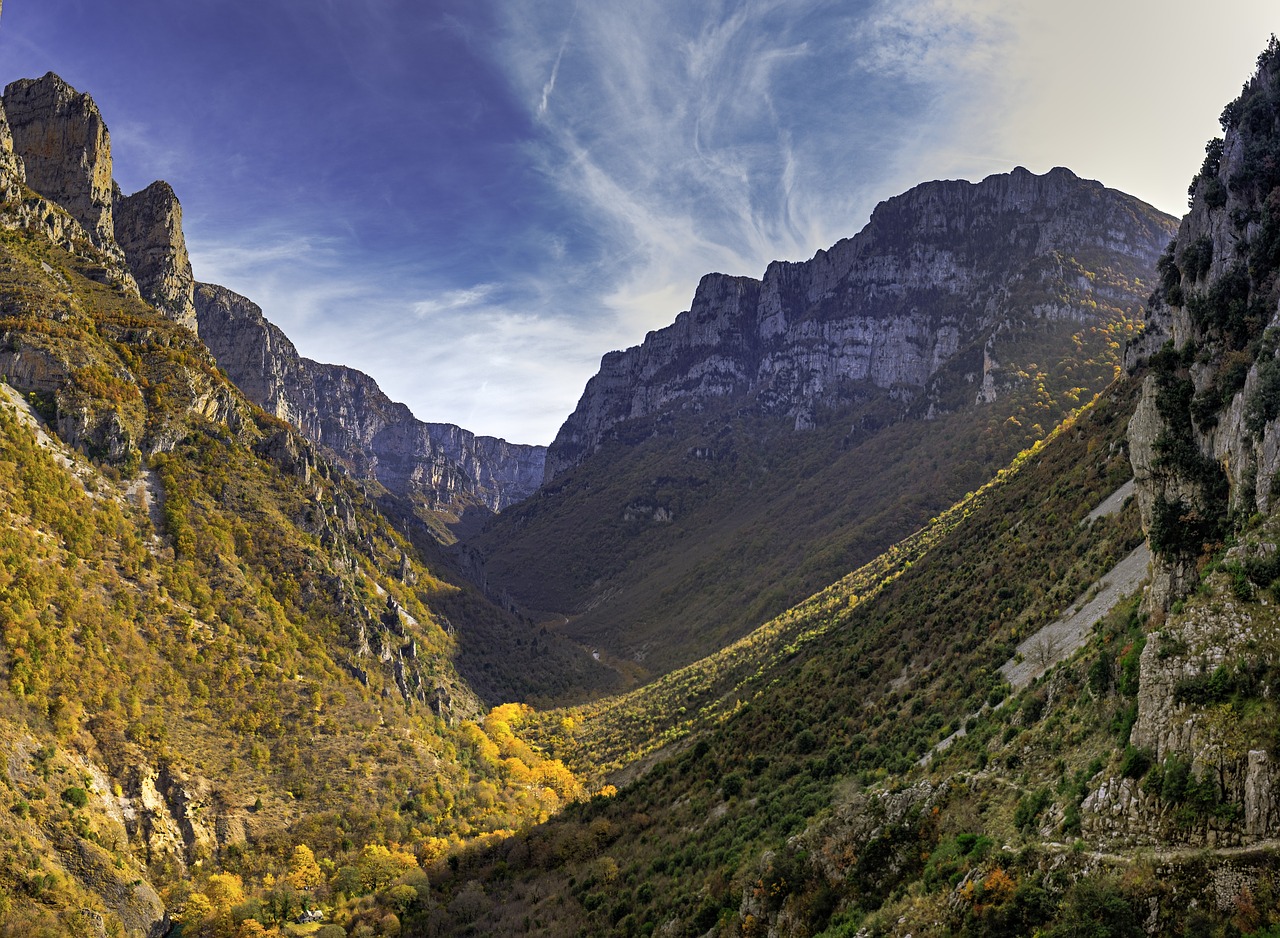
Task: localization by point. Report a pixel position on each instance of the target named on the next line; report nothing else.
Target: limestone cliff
(148, 227)
(944, 270)
(344, 410)
(1205, 440)
(64, 144)
(40, 115)
(12, 173)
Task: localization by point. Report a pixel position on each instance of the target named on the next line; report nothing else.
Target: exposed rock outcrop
(12, 172)
(344, 410)
(946, 269)
(148, 227)
(1206, 438)
(65, 146)
(1203, 442)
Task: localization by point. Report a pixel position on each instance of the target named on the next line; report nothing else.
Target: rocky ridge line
(56, 180)
(345, 410)
(937, 269)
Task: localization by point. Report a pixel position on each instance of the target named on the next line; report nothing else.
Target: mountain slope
(215, 647)
(787, 430)
(437, 467)
(1132, 790)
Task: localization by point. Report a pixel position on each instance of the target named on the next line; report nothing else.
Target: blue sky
(473, 201)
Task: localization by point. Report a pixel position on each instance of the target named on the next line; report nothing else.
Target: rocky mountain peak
(64, 144)
(947, 268)
(433, 465)
(148, 227)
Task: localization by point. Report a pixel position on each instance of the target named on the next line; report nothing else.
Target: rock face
(63, 141)
(345, 410)
(1204, 444)
(1205, 439)
(148, 227)
(12, 172)
(937, 269)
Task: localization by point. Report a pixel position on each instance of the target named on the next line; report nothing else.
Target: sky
(474, 200)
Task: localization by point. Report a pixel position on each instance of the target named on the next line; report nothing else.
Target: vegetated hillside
(214, 646)
(785, 431)
(806, 721)
(1131, 790)
(60, 142)
(217, 657)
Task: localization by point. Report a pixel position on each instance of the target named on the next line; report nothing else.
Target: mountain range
(824, 613)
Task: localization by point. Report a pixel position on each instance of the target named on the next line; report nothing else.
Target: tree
(304, 871)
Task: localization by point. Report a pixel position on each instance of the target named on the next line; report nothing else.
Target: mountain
(988, 730)
(442, 470)
(215, 643)
(435, 466)
(238, 696)
(947, 269)
(66, 153)
(785, 430)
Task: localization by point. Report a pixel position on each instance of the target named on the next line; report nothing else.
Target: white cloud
(679, 139)
(453, 300)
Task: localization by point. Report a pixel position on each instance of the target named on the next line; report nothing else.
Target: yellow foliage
(198, 908)
(304, 872)
(224, 890)
(998, 887)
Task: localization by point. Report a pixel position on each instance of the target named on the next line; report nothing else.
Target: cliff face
(56, 178)
(785, 430)
(345, 410)
(66, 148)
(148, 227)
(938, 269)
(1205, 440)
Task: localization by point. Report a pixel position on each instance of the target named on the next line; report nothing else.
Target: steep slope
(213, 645)
(438, 467)
(784, 431)
(781, 793)
(137, 243)
(1132, 790)
(1204, 440)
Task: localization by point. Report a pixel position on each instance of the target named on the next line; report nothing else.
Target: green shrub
(1197, 257)
(1263, 405)
(1030, 806)
(1135, 762)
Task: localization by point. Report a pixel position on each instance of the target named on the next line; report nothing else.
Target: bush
(1029, 807)
(1263, 405)
(1197, 257)
(1096, 907)
(76, 797)
(1135, 762)
(732, 785)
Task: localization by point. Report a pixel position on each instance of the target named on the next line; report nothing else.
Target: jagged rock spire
(64, 144)
(148, 226)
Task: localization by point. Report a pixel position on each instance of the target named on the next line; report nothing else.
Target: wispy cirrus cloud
(699, 138)
(473, 201)
(452, 300)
